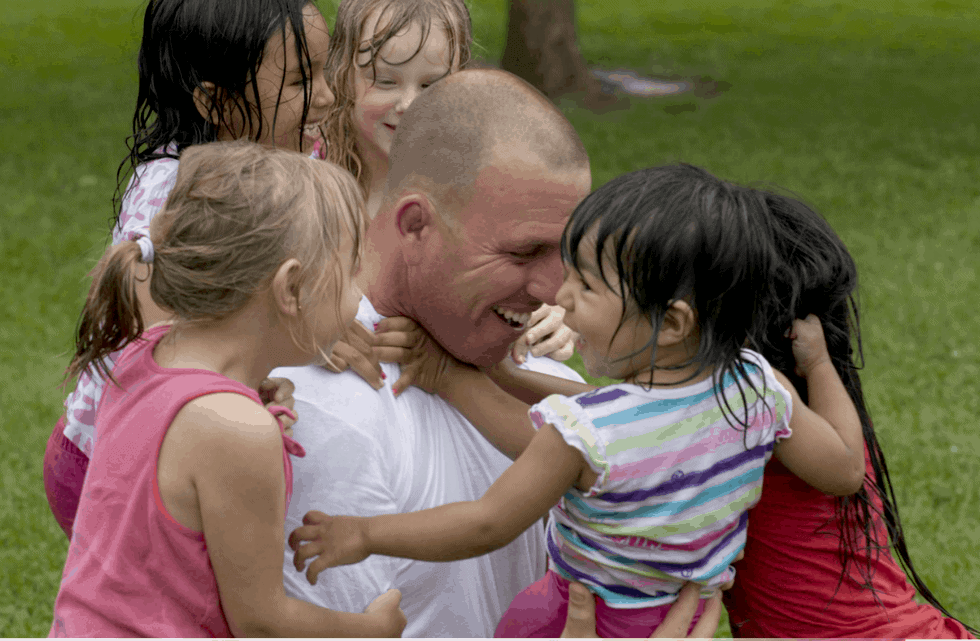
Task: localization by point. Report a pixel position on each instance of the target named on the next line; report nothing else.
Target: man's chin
(483, 356)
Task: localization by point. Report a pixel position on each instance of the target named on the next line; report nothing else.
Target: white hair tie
(146, 249)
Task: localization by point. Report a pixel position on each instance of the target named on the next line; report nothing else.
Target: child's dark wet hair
(813, 273)
(186, 43)
(678, 233)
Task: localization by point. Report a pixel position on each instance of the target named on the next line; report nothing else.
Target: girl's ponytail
(111, 318)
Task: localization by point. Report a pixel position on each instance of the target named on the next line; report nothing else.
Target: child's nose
(407, 98)
(322, 95)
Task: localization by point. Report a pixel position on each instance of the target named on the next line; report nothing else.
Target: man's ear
(206, 102)
(285, 288)
(679, 324)
(416, 222)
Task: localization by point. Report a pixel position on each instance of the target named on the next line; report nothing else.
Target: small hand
(279, 391)
(546, 335)
(389, 615)
(356, 351)
(425, 364)
(809, 345)
(333, 540)
(396, 337)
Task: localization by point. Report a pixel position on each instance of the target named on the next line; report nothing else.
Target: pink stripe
(721, 434)
(643, 542)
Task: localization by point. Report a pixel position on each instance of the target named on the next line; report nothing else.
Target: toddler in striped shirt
(647, 482)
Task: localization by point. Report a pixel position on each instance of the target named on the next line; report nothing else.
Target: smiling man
(484, 174)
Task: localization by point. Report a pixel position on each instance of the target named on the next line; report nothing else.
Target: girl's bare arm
(522, 495)
(238, 476)
(827, 447)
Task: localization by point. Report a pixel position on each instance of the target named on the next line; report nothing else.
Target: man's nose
(545, 278)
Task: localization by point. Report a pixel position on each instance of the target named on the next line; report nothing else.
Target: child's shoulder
(227, 420)
(144, 197)
(588, 406)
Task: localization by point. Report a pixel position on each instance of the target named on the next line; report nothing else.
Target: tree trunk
(542, 48)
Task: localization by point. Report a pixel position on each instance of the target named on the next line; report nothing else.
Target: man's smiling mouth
(517, 320)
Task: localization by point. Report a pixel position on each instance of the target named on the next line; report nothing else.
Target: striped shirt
(675, 481)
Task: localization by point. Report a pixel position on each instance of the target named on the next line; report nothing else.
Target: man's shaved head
(484, 174)
(472, 120)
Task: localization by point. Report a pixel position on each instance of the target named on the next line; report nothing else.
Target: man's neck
(383, 275)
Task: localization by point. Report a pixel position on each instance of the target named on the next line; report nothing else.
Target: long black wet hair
(674, 233)
(813, 273)
(189, 42)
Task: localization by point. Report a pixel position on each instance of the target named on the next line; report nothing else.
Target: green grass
(867, 109)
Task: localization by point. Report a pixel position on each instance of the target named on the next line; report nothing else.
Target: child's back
(161, 567)
(181, 521)
(675, 482)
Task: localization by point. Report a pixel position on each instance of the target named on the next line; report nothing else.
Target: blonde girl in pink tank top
(180, 526)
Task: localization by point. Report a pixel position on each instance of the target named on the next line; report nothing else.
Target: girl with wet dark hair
(209, 70)
(817, 565)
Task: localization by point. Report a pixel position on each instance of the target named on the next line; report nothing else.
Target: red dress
(791, 565)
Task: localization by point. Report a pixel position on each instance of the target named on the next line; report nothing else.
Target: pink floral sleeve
(144, 198)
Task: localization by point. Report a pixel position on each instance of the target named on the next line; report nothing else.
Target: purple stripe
(669, 568)
(588, 579)
(690, 480)
(598, 397)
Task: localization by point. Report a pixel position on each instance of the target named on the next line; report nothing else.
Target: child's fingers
(561, 339)
(361, 358)
(304, 553)
(518, 351)
(545, 320)
(361, 332)
(319, 564)
(278, 391)
(396, 324)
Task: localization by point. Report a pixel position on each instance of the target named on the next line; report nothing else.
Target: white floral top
(144, 198)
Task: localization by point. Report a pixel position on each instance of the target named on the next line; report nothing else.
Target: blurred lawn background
(867, 109)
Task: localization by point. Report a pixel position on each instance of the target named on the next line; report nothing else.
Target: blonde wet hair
(348, 41)
(238, 210)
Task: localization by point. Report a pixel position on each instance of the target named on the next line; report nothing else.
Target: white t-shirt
(369, 453)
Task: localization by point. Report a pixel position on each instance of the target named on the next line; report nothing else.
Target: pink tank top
(132, 569)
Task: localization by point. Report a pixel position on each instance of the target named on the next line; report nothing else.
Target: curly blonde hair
(349, 40)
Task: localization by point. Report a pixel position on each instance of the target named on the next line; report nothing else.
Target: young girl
(180, 525)
(208, 70)
(818, 565)
(382, 55)
(653, 477)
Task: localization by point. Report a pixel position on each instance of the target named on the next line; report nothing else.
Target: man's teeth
(517, 320)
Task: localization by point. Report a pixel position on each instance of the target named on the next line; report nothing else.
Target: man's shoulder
(338, 398)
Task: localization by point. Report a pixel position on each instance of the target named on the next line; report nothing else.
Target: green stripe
(688, 426)
(572, 424)
(691, 525)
